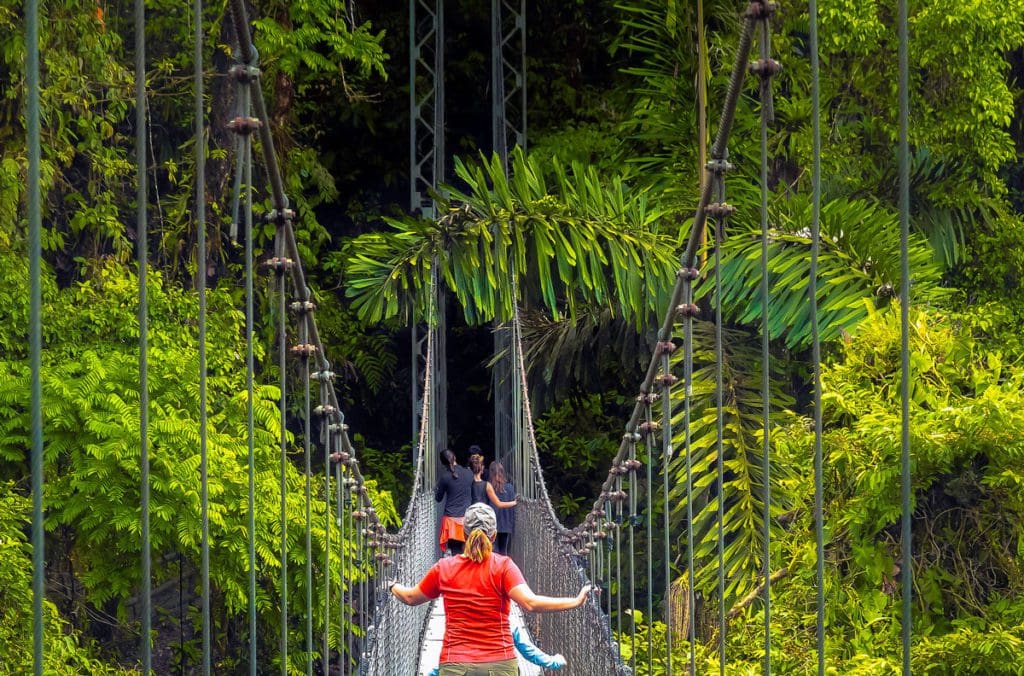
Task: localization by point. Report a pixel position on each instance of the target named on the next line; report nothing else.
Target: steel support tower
(426, 172)
(508, 129)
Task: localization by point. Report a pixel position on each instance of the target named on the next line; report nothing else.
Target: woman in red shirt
(477, 587)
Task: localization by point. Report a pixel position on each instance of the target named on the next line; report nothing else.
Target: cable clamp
(666, 380)
(278, 264)
(687, 310)
(324, 410)
(649, 427)
(719, 166)
(688, 274)
(322, 376)
(765, 68)
(338, 427)
(719, 210)
(244, 126)
(303, 306)
(761, 9)
(634, 464)
(243, 73)
(304, 350)
(280, 217)
(665, 347)
(631, 437)
(648, 397)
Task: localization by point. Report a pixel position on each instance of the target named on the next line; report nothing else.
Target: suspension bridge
(367, 631)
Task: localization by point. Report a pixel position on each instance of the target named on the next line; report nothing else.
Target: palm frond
(583, 241)
(859, 265)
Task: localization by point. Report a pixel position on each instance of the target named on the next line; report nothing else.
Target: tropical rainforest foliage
(583, 235)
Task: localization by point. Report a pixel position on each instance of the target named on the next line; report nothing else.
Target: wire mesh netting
(393, 641)
(581, 635)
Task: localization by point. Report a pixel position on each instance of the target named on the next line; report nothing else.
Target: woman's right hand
(581, 598)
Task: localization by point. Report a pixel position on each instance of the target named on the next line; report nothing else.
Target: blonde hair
(478, 546)
(476, 463)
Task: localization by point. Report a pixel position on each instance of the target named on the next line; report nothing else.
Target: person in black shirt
(455, 488)
(482, 490)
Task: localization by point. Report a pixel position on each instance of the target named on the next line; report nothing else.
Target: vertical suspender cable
(35, 329)
(687, 396)
(766, 406)
(906, 569)
(339, 513)
(617, 529)
(250, 394)
(326, 438)
(142, 244)
(632, 550)
(282, 365)
(650, 536)
(666, 458)
(197, 18)
(304, 328)
(348, 573)
(719, 405)
(819, 529)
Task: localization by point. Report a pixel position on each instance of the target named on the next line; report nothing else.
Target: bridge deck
(430, 651)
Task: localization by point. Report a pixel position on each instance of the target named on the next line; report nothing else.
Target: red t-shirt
(476, 606)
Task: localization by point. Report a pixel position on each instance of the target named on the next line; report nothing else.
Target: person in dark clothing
(455, 488)
(502, 495)
(482, 491)
(476, 466)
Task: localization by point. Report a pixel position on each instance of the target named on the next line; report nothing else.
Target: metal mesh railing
(550, 566)
(543, 549)
(393, 644)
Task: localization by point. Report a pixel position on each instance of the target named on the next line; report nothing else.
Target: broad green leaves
(583, 240)
(858, 268)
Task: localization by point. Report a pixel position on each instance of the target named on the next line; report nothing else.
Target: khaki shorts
(502, 668)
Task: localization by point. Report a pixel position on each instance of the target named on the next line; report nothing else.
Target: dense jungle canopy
(599, 209)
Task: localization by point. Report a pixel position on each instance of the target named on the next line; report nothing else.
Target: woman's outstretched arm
(535, 603)
(410, 596)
